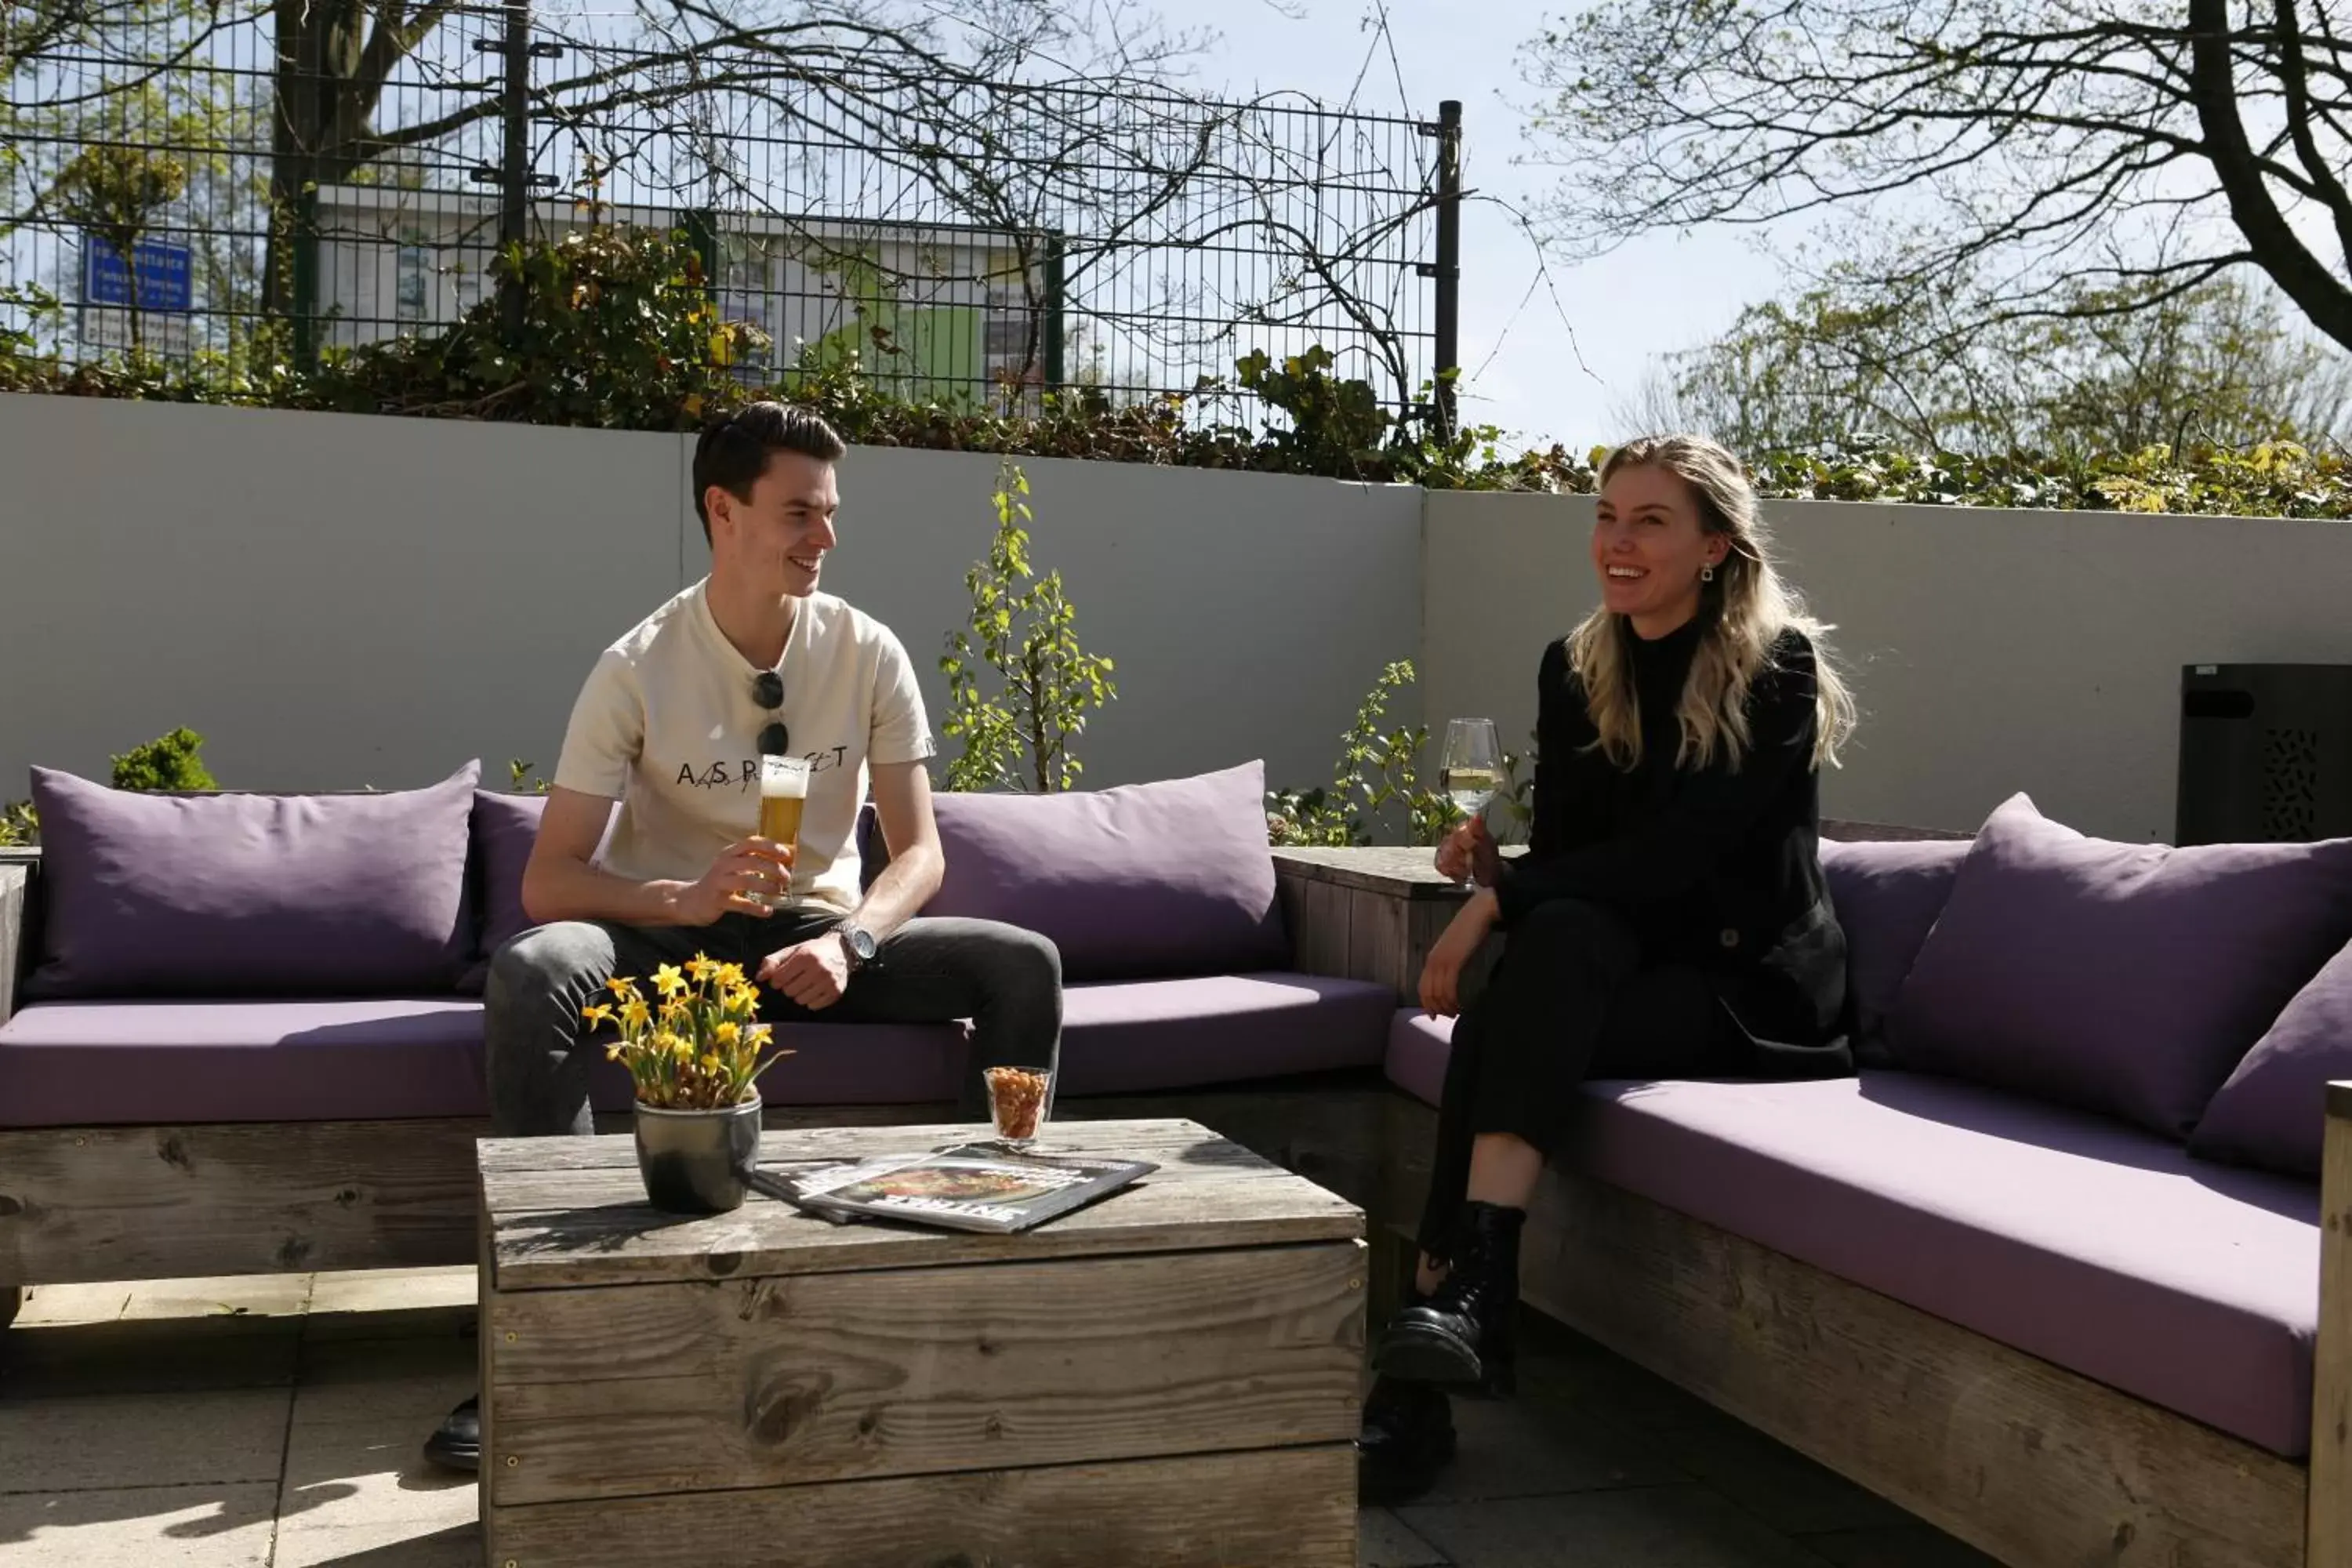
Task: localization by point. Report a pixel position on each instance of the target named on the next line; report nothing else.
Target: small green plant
(1377, 769)
(522, 778)
(1335, 424)
(1517, 796)
(1024, 628)
(19, 826)
(173, 761)
(1378, 772)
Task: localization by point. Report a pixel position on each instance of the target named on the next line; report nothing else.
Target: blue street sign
(166, 275)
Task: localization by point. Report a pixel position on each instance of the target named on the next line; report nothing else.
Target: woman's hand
(1469, 853)
(1440, 976)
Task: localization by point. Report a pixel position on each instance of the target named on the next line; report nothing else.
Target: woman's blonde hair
(1745, 609)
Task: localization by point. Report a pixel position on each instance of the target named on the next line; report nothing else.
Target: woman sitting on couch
(1669, 919)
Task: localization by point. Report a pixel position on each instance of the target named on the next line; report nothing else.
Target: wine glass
(1471, 771)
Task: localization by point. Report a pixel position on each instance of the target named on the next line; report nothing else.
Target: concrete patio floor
(274, 1422)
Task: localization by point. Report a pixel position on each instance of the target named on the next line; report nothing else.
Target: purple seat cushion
(1419, 1047)
(1128, 1036)
(504, 829)
(91, 1062)
(2125, 978)
(1888, 896)
(2272, 1112)
(1131, 883)
(2105, 1249)
(245, 895)
(2096, 1246)
(71, 1064)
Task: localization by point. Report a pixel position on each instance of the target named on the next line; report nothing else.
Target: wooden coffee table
(1171, 1377)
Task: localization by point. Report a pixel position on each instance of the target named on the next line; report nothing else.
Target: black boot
(457, 1444)
(1408, 1438)
(1462, 1338)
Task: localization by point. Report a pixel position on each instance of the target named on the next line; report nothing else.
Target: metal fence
(177, 178)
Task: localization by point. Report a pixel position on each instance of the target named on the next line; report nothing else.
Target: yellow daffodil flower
(727, 1035)
(636, 1014)
(669, 981)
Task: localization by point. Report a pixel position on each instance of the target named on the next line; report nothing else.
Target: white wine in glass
(1472, 770)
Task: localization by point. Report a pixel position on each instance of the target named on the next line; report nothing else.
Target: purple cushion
(1419, 1047)
(1131, 883)
(1888, 896)
(239, 895)
(2105, 1249)
(504, 829)
(1128, 1036)
(71, 1064)
(2272, 1112)
(2123, 978)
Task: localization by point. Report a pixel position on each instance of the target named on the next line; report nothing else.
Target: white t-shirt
(667, 725)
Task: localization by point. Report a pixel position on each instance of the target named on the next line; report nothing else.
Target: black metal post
(1449, 262)
(1055, 369)
(303, 242)
(515, 181)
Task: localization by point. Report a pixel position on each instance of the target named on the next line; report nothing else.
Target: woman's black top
(1715, 867)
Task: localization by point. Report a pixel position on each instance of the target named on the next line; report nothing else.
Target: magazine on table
(974, 1187)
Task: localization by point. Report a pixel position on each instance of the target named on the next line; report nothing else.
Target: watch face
(862, 944)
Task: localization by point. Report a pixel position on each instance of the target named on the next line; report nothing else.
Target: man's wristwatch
(859, 945)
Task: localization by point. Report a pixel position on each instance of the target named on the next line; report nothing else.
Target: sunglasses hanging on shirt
(768, 692)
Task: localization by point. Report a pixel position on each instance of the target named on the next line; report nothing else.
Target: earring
(1706, 572)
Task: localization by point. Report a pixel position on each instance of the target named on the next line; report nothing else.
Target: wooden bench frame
(2035, 1464)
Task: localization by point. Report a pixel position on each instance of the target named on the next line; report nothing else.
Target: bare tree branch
(2026, 130)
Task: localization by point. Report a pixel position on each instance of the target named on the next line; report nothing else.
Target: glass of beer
(783, 794)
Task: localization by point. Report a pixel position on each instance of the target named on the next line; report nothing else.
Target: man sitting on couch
(751, 661)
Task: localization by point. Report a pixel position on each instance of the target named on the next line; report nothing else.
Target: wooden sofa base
(161, 1203)
(2035, 1464)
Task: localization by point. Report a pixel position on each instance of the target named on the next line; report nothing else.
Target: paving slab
(1900, 1546)
(140, 1527)
(161, 1355)
(1384, 1540)
(110, 1441)
(1640, 1527)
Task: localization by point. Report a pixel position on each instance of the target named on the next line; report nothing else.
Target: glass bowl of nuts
(1019, 1101)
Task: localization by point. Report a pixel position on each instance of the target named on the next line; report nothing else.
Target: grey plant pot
(693, 1162)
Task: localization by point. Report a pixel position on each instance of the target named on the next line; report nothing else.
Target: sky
(1557, 372)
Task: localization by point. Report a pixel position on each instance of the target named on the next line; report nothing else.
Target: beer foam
(786, 782)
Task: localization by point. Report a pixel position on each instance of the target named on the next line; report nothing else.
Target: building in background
(936, 312)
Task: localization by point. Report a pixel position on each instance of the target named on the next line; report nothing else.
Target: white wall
(1245, 613)
(1992, 651)
(332, 601)
(340, 601)
(343, 600)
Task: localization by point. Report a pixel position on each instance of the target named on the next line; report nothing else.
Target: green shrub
(172, 762)
(620, 331)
